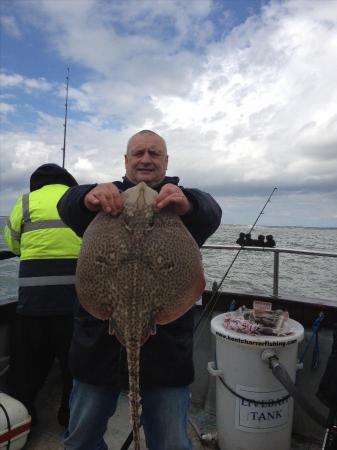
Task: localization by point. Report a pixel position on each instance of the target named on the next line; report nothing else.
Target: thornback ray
(139, 269)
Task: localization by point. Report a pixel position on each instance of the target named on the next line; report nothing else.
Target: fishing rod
(65, 121)
(215, 295)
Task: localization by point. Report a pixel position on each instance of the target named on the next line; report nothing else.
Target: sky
(243, 91)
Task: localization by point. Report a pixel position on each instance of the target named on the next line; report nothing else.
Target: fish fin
(149, 331)
(186, 302)
(114, 332)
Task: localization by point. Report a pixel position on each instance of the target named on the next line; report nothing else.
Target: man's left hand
(172, 196)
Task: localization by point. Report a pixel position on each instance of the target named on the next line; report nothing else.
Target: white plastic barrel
(243, 424)
(14, 423)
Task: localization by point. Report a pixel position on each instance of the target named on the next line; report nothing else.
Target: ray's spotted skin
(138, 269)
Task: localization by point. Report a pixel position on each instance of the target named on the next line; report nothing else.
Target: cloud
(21, 153)
(260, 89)
(10, 81)
(242, 108)
(9, 25)
(6, 108)
(147, 44)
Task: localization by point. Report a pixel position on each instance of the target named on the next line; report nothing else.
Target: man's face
(146, 159)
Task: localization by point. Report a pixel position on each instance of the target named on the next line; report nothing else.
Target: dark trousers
(35, 343)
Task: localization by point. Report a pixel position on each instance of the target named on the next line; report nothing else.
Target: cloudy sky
(243, 91)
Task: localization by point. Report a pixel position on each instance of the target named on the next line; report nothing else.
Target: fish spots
(143, 268)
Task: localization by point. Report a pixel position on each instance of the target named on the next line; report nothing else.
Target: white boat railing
(276, 252)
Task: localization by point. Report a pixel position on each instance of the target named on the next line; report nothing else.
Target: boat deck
(48, 434)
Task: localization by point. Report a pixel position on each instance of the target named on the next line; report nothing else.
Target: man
(97, 360)
(48, 252)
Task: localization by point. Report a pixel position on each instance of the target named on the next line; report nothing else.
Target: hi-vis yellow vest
(35, 230)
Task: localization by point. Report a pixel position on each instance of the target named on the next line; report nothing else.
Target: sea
(299, 275)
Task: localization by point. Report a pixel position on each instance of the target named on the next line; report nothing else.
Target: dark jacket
(166, 358)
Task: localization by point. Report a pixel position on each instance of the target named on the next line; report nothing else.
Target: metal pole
(276, 273)
(65, 121)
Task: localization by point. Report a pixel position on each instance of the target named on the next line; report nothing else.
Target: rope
(256, 402)
(314, 336)
(8, 424)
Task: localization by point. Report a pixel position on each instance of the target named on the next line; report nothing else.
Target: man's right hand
(104, 197)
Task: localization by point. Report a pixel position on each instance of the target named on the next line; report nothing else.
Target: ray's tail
(134, 397)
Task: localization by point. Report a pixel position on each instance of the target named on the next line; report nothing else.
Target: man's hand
(104, 197)
(172, 196)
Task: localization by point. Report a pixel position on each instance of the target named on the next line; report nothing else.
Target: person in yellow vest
(48, 252)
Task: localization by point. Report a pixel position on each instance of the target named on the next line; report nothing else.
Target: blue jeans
(164, 417)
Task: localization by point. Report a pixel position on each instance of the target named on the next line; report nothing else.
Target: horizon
(249, 225)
